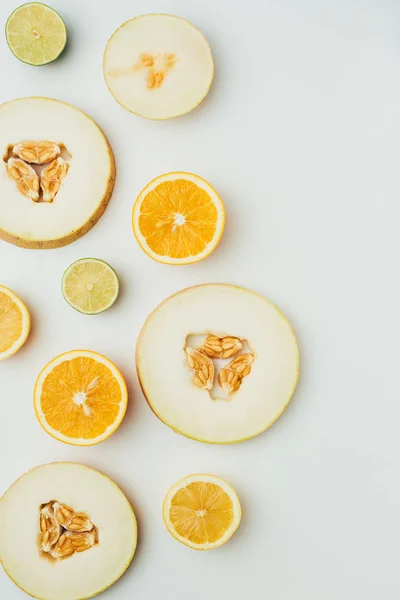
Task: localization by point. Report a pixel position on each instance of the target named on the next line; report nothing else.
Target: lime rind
(55, 20)
(83, 298)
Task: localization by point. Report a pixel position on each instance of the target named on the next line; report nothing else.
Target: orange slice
(80, 398)
(15, 323)
(202, 511)
(178, 218)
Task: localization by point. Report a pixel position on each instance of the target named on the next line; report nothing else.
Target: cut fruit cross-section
(202, 511)
(90, 286)
(179, 381)
(36, 33)
(158, 66)
(66, 532)
(80, 398)
(178, 218)
(57, 173)
(14, 323)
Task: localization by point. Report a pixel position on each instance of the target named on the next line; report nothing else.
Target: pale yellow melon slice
(66, 532)
(158, 66)
(217, 363)
(57, 173)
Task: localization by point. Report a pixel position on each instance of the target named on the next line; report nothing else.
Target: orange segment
(14, 323)
(178, 218)
(202, 511)
(80, 398)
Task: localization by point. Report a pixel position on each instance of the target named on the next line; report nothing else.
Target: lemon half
(202, 511)
(15, 323)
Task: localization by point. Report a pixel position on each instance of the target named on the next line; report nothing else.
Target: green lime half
(90, 286)
(36, 34)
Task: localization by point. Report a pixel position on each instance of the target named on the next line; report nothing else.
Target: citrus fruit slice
(66, 532)
(217, 363)
(90, 286)
(158, 66)
(202, 511)
(36, 34)
(178, 218)
(80, 398)
(15, 323)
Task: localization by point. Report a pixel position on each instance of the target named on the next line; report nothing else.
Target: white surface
(300, 136)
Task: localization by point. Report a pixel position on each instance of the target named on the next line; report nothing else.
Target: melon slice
(217, 363)
(66, 532)
(57, 173)
(158, 66)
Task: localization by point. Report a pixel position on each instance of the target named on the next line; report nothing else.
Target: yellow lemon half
(15, 323)
(202, 511)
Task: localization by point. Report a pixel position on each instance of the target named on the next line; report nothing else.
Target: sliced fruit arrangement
(57, 173)
(178, 218)
(158, 66)
(66, 532)
(257, 354)
(202, 511)
(15, 323)
(90, 286)
(36, 34)
(80, 398)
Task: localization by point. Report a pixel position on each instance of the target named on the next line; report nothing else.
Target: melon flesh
(85, 190)
(84, 574)
(223, 310)
(158, 66)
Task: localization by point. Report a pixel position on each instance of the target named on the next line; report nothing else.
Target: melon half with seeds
(217, 363)
(158, 66)
(57, 173)
(66, 532)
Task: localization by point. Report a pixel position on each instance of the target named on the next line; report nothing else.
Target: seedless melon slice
(158, 66)
(57, 173)
(217, 363)
(93, 509)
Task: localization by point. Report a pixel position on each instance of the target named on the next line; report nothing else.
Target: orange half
(15, 323)
(202, 511)
(80, 398)
(178, 218)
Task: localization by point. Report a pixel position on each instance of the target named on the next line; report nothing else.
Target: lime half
(90, 286)
(36, 34)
